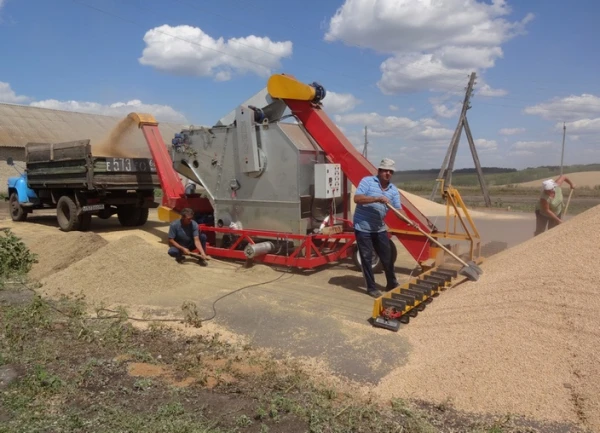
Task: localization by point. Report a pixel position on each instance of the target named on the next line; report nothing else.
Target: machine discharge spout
(260, 249)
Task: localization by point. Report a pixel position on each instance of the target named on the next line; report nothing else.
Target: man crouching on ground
(185, 238)
(371, 198)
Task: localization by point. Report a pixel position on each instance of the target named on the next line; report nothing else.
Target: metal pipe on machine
(260, 249)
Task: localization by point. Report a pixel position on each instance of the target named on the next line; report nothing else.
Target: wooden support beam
(484, 189)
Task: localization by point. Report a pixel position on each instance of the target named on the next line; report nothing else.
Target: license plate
(92, 207)
(130, 165)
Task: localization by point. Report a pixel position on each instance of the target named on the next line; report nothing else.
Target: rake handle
(431, 238)
(568, 201)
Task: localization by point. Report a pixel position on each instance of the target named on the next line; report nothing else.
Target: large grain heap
(524, 339)
(127, 270)
(133, 271)
(57, 252)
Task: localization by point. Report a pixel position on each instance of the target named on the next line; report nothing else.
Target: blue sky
(397, 66)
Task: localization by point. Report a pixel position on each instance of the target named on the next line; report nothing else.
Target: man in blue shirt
(371, 198)
(185, 237)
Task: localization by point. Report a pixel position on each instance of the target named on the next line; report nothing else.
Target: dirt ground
(319, 317)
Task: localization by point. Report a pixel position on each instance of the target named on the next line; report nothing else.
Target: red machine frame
(326, 248)
(315, 249)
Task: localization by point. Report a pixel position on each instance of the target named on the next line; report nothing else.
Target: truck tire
(143, 217)
(128, 215)
(85, 222)
(105, 213)
(66, 214)
(17, 213)
(376, 264)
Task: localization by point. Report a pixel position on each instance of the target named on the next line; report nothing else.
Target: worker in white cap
(371, 198)
(550, 206)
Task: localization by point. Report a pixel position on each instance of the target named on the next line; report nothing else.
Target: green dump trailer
(79, 185)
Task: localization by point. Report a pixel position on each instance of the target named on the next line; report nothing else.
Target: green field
(502, 186)
(493, 176)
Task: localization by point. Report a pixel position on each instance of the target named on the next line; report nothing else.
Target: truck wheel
(85, 222)
(17, 213)
(128, 215)
(105, 213)
(143, 216)
(376, 264)
(66, 214)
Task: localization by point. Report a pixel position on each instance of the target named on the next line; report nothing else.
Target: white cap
(549, 185)
(387, 164)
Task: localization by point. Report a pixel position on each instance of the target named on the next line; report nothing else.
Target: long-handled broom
(568, 201)
(469, 269)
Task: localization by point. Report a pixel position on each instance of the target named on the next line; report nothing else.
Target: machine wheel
(17, 213)
(66, 214)
(129, 216)
(376, 264)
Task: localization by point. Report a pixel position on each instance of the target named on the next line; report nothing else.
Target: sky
(398, 67)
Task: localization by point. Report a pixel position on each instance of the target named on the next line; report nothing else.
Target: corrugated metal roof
(21, 124)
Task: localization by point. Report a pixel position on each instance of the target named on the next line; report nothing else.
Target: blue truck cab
(22, 199)
(18, 185)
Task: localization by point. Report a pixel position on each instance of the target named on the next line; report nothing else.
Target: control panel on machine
(328, 180)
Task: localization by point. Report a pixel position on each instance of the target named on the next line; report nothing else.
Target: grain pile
(133, 271)
(524, 339)
(124, 271)
(59, 251)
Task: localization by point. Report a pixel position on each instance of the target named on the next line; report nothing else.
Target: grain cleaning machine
(275, 178)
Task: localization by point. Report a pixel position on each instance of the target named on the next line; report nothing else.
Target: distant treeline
(493, 175)
(431, 174)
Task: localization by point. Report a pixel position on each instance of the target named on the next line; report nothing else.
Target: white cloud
(340, 102)
(443, 110)
(534, 153)
(426, 131)
(581, 114)
(521, 153)
(376, 123)
(8, 95)
(532, 145)
(511, 131)
(569, 108)
(434, 45)
(487, 90)
(582, 126)
(163, 113)
(188, 50)
(414, 72)
(393, 108)
(481, 144)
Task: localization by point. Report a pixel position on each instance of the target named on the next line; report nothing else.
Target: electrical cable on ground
(138, 319)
